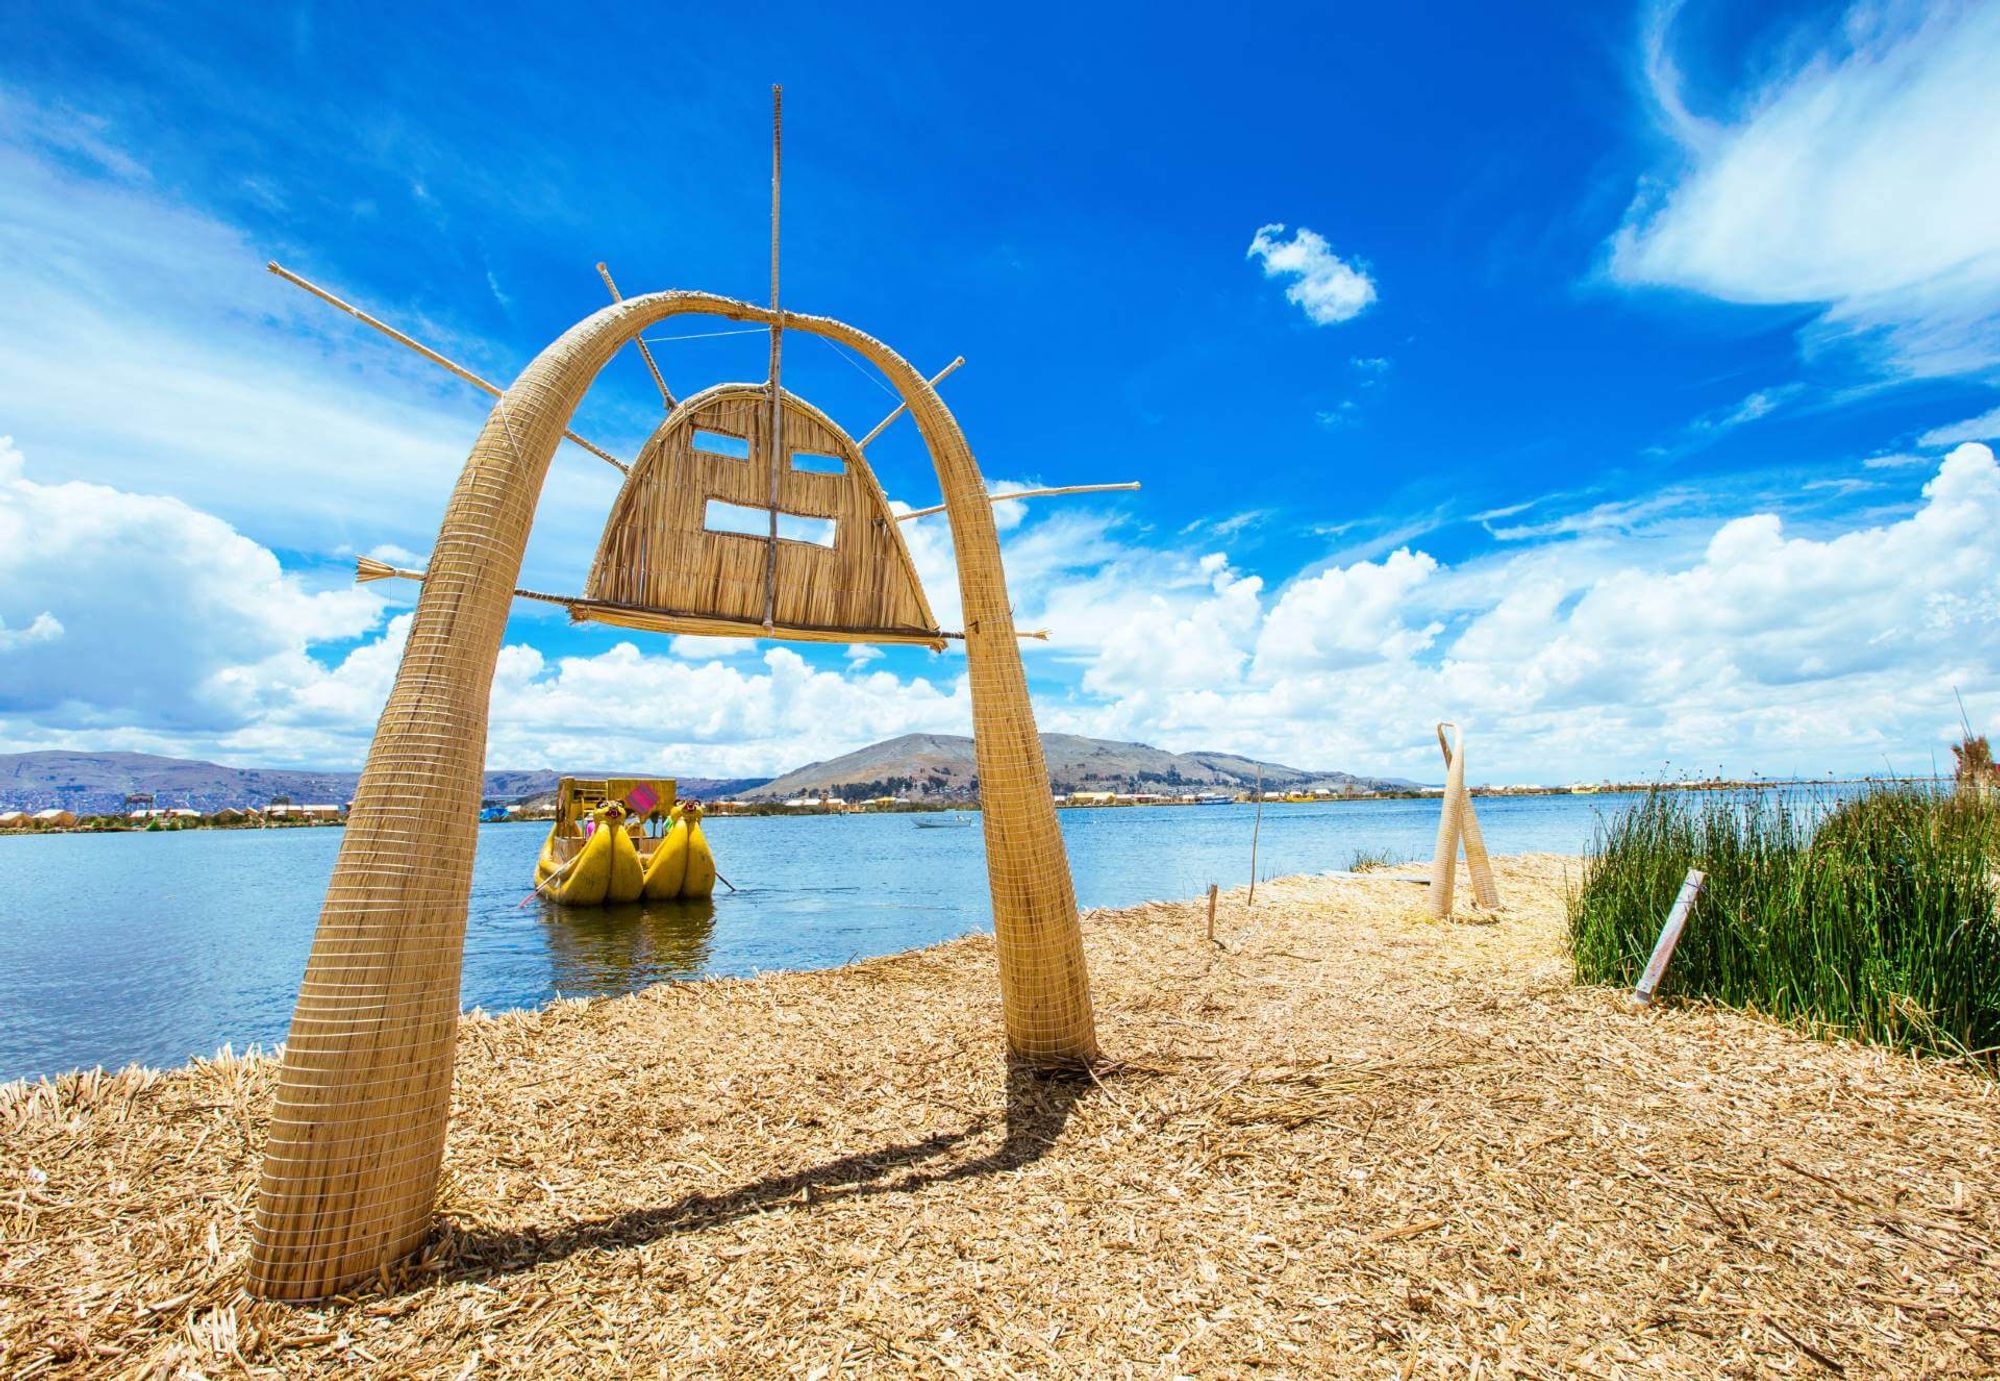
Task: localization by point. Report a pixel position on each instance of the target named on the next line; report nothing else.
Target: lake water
(117, 948)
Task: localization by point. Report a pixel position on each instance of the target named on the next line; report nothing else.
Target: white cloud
(1754, 407)
(696, 647)
(136, 621)
(1985, 427)
(1329, 288)
(1864, 175)
(143, 345)
(141, 610)
(1608, 649)
(46, 627)
(1347, 616)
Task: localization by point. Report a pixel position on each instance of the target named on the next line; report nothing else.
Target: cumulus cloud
(139, 609)
(1622, 642)
(1864, 175)
(1330, 289)
(1606, 651)
(137, 621)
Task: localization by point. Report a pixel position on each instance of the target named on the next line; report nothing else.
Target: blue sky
(1612, 379)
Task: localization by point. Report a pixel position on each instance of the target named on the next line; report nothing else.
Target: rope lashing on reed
(666, 394)
(1026, 494)
(367, 568)
(433, 356)
(705, 335)
(901, 408)
(859, 368)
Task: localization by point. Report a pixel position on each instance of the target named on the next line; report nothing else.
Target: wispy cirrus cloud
(1985, 427)
(143, 345)
(1863, 177)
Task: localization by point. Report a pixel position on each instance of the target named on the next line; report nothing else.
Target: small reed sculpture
(1458, 825)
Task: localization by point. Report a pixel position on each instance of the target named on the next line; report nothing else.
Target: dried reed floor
(1352, 1142)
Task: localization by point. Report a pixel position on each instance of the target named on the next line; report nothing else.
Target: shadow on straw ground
(1038, 1107)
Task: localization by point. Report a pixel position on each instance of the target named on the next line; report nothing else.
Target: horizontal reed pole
(666, 394)
(904, 407)
(706, 625)
(441, 361)
(1026, 494)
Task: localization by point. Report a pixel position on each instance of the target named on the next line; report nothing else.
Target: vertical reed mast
(777, 440)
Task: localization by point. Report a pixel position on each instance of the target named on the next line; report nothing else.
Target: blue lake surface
(150, 948)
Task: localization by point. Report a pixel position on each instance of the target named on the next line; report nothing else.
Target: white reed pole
(1670, 936)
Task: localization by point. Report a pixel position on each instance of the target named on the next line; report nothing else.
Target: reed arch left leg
(358, 1124)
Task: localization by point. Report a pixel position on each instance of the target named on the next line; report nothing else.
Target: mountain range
(99, 783)
(923, 767)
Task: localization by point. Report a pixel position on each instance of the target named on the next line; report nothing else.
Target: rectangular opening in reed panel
(813, 463)
(744, 520)
(722, 444)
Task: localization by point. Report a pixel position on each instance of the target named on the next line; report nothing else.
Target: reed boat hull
(666, 871)
(585, 881)
(628, 872)
(700, 879)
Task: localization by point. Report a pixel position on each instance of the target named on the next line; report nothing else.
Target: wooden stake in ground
(1211, 912)
(1670, 936)
(1457, 824)
(777, 462)
(1256, 829)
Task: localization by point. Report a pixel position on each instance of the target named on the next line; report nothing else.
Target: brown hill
(940, 767)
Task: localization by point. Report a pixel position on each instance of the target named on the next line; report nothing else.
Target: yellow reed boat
(620, 839)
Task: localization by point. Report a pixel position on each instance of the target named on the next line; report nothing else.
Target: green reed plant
(1873, 917)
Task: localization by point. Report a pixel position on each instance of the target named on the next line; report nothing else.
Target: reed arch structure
(358, 1127)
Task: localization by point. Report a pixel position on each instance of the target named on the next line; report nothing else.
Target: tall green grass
(1874, 918)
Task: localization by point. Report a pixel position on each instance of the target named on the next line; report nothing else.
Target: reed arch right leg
(1044, 984)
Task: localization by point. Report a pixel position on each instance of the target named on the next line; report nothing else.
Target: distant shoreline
(109, 824)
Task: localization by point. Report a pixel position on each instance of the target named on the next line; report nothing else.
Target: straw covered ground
(1350, 1141)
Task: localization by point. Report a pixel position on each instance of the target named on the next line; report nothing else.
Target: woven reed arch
(358, 1125)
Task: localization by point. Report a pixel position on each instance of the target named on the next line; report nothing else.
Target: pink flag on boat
(642, 800)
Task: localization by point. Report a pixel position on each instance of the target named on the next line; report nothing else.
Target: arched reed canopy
(357, 1129)
(686, 549)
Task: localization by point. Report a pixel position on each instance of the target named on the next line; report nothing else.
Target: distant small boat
(957, 822)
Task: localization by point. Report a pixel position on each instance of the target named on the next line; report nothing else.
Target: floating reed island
(1346, 1140)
